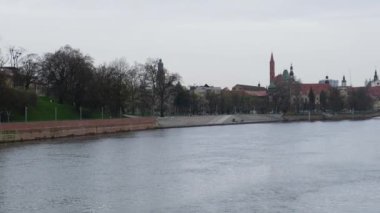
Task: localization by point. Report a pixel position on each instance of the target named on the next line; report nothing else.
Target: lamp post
(26, 114)
(102, 114)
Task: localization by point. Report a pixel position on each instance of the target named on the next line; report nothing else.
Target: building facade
(255, 91)
(203, 90)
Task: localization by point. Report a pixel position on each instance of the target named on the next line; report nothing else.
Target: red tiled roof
(240, 87)
(256, 93)
(251, 93)
(317, 88)
(374, 91)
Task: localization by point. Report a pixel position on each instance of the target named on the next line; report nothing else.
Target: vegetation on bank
(111, 89)
(76, 88)
(287, 98)
(47, 109)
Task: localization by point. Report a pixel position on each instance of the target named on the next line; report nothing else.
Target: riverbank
(18, 132)
(213, 120)
(330, 117)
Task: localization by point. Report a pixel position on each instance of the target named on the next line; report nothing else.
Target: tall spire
(376, 77)
(291, 71)
(271, 69)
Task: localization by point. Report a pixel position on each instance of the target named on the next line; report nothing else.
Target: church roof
(374, 91)
(251, 93)
(257, 93)
(241, 87)
(317, 88)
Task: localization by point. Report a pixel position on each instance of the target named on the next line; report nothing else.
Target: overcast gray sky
(219, 42)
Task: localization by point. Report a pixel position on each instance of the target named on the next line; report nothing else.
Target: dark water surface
(292, 167)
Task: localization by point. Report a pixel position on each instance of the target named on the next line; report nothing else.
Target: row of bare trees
(69, 76)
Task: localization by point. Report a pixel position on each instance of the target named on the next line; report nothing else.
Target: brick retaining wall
(10, 132)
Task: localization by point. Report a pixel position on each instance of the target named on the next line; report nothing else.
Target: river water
(283, 167)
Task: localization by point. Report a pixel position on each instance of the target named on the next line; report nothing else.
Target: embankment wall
(57, 129)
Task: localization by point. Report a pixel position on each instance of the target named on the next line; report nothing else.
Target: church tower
(375, 78)
(271, 69)
(344, 82)
(291, 72)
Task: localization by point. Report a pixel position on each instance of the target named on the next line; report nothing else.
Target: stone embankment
(11, 132)
(211, 120)
(331, 117)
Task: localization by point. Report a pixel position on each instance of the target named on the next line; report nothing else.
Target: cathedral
(289, 76)
(286, 75)
(325, 85)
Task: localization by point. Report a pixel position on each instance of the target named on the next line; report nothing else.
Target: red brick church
(290, 76)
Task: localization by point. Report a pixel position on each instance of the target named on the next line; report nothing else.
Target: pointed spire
(271, 68)
(291, 71)
(376, 77)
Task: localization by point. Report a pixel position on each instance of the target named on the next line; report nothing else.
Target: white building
(333, 83)
(203, 90)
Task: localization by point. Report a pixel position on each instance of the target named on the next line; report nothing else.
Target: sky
(218, 42)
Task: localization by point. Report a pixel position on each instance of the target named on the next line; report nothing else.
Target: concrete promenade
(210, 120)
(17, 132)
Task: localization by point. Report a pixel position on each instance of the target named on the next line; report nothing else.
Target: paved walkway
(183, 121)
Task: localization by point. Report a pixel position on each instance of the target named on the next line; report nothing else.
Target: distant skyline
(218, 42)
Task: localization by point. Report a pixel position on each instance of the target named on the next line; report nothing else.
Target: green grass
(45, 110)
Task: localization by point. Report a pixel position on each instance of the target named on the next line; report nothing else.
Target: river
(279, 167)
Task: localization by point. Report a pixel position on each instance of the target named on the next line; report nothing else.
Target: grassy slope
(45, 110)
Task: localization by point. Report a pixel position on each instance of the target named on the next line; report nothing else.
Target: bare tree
(165, 85)
(120, 67)
(67, 73)
(149, 83)
(3, 59)
(157, 85)
(30, 66)
(15, 54)
(133, 80)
